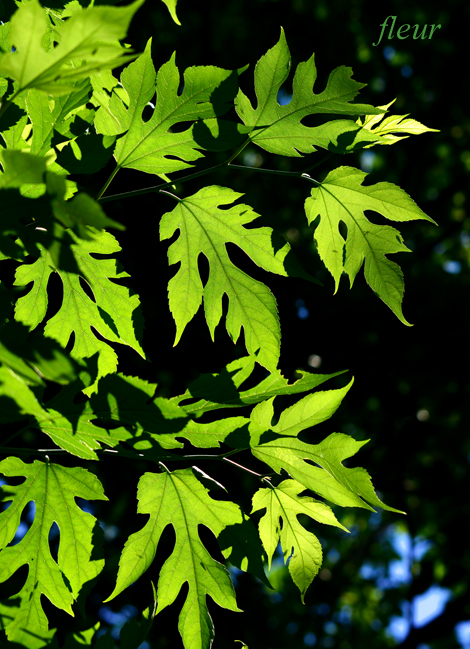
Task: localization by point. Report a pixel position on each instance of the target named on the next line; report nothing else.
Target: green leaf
(86, 43)
(111, 310)
(206, 228)
(23, 169)
(16, 397)
(207, 93)
(47, 114)
(20, 168)
(149, 426)
(87, 154)
(71, 425)
(179, 499)
(348, 487)
(310, 411)
(53, 488)
(342, 198)
(307, 412)
(15, 128)
(171, 4)
(283, 504)
(133, 633)
(278, 129)
(214, 391)
(35, 359)
(383, 128)
(33, 638)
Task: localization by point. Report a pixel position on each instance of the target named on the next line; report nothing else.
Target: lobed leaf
(300, 547)
(279, 129)
(150, 426)
(214, 391)
(338, 484)
(53, 488)
(152, 146)
(206, 228)
(112, 311)
(48, 114)
(86, 42)
(48, 213)
(342, 198)
(180, 500)
(383, 128)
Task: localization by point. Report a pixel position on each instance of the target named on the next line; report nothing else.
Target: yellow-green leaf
(342, 198)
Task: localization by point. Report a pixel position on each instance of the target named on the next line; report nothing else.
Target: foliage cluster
(65, 115)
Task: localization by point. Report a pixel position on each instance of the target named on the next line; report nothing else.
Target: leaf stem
(160, 188)
(155, 188)
(240, 466)
(163, 191)
(204, 172)
(107, 183)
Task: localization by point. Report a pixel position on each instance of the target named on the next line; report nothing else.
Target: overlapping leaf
(342, 198)
(153, 426)
(112, 311)
(150, 146)
(53, 488)
(86, 42)
(46, 114)
(149, 426)
(17, 399)
(317, 467)
(383, 129)
(23, 365)
(180, 500)
(279, 129)
(214, 391)
(48, 212)
(206, 228)
(283, 503)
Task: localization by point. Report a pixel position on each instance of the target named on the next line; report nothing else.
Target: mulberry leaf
(342, 198)
(53, 488)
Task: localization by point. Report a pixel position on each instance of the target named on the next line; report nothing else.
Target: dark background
(420, 466)
(411, 392)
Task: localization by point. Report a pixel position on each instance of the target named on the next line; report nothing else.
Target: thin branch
(240, 466)
(227, 163)
(107, 183)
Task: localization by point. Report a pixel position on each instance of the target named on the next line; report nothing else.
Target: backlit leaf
(206, 228)
(348, 487)
(53, 488)
(180, 500)
(342, 198)
(279, 129)
(46, 114)
(383, 128)
(151, 146)
(87, 42)
(214, 391)
(283, 504)
(171, 4)
(111, 310)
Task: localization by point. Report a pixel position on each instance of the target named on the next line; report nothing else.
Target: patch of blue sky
(429, 605)
(366, 160)
(462, 632)
(452, 267)
(283, 97)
